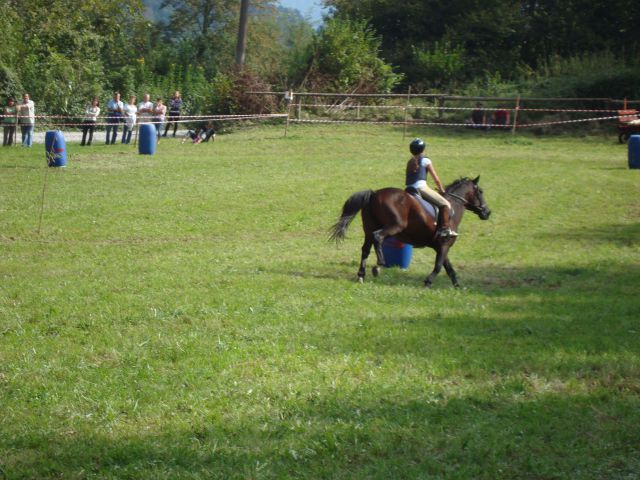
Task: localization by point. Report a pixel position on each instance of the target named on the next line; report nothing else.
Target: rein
(463, 200)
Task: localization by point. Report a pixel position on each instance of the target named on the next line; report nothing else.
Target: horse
(395, 212)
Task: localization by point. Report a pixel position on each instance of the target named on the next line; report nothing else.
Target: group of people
(130, 115)
(13, 114)
(500, 118)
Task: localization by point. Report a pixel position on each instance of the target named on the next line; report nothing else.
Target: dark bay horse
(391, 211)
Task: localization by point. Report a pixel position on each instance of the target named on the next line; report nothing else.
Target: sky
(310, 8)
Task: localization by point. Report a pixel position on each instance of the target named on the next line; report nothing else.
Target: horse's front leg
(441, 255)
(451, 272)
(366, 250)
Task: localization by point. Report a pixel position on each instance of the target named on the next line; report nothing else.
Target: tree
(242, 34)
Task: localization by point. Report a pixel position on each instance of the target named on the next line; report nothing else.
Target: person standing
(9, 122)
(159, 111)
(89, 122)
(114, 117)
(145, 110)
(130, 111)
(478, 117)
(175, 105)
(501, 117)
(27, 119)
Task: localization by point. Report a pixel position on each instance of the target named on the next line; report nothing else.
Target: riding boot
(444, 229)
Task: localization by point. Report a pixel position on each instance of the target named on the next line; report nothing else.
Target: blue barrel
(634, 151)
(147, 139)
(55, 148)
(396, 253)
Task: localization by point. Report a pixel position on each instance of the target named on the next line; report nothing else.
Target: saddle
(429, 208)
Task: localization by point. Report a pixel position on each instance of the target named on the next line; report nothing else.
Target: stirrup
(446, 233)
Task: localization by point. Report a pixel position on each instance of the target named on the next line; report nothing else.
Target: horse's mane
(457, 183)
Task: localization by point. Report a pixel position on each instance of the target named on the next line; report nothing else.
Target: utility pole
(242, 34)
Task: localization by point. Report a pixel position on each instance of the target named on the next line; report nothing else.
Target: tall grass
(183, 316)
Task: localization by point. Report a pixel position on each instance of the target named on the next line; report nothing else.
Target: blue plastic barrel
(396, 253)
(634, 151)
(147, 139)
(55, 148)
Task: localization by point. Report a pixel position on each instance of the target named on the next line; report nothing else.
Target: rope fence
(432, 110)
(405, 110)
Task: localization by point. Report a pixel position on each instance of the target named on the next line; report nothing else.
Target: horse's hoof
(427, 285)
(375, 271)
(360, 280)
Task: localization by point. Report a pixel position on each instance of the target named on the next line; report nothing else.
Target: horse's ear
(476, 180)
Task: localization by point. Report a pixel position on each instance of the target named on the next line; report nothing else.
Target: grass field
(183, 315)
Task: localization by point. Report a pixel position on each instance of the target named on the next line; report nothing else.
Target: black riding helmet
(417, 146)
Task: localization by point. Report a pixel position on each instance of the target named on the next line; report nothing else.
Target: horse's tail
(351, 207)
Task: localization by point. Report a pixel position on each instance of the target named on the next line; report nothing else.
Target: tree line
(64, 52)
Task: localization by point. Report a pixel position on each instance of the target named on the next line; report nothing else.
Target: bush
(346, 59)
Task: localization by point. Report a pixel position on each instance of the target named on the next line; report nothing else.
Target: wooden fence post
(288, 97)
(440, 103)
(515, 116)
(406, 108)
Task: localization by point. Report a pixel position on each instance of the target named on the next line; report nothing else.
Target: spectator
(9, 122)
(89, 122)
(202, 135)
(114, 117)
(190, 135)
(159, 111)
(206, 133)
(174, 113)
(501, 117)
(478, 119)
(145, 110)
(130, 111)
(27, 119)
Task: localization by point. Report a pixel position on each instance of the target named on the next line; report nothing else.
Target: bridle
(465, 203)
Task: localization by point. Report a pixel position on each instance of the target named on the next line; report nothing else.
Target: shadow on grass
(498, 397)
(509, 320)
(361, 435)
(616, 234)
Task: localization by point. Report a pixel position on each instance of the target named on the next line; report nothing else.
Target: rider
(417, 169)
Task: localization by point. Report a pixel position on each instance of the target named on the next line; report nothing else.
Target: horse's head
(471, 194)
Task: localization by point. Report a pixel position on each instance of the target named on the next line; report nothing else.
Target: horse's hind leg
(451, 272)
(378, 238)
(366, 250)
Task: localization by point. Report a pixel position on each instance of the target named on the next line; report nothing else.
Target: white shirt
(130, 115)
(28, 113)
(159, 112)
(145, 117)
(91, 113)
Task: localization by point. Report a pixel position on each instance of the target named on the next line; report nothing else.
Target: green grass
(183, 316)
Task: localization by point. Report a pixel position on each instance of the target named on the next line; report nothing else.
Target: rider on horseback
(417, 169)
